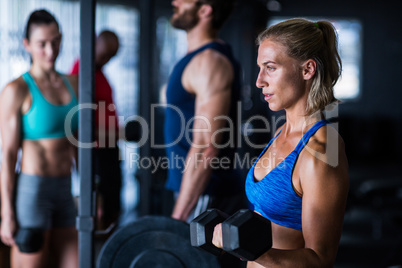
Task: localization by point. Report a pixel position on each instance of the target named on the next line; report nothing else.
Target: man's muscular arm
(209, 76)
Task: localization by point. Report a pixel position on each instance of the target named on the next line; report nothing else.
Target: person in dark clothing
(203, 89)
(106, 154)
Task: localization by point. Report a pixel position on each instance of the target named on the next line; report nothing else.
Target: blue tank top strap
(209, 45)
(215, 45)
(33, 89)
(68, 85)
(308, 135)
(27, 77)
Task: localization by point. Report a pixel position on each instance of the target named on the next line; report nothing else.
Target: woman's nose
(260, 82)
(49, 49)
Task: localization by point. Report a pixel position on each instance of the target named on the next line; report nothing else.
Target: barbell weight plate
(153, 241)
(157, 259)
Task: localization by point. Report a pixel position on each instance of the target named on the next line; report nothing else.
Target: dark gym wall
(371, 125)
(382, 44)
(382, 50)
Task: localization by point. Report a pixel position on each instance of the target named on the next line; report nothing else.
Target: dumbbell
(29, 240)
(245, 234)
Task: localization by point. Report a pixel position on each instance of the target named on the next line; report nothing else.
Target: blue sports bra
(274, 196)
(45, 120)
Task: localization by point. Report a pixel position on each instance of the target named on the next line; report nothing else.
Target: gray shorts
(44, 202)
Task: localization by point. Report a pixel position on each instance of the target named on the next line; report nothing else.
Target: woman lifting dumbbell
(32, 118)
(300, 181)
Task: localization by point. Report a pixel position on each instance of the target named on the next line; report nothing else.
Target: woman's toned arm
(209, 76)
(11, 99)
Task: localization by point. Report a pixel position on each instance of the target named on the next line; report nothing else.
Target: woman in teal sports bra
(33, 110)
(300, 181)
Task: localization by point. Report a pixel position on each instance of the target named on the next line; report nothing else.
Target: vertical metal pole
(147, 36)
(85, 219)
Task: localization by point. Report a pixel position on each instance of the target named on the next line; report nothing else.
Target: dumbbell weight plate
(246, 235)
(202, 230)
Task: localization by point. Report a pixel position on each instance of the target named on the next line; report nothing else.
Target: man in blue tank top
(201, 124)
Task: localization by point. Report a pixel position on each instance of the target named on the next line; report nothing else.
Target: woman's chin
(273, 107)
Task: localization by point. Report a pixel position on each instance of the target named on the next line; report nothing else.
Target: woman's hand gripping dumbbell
(245, 234)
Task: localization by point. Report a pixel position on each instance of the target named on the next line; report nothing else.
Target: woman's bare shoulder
(325, 149)
(15, 90)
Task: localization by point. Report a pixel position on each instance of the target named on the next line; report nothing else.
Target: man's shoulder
(211, 58)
